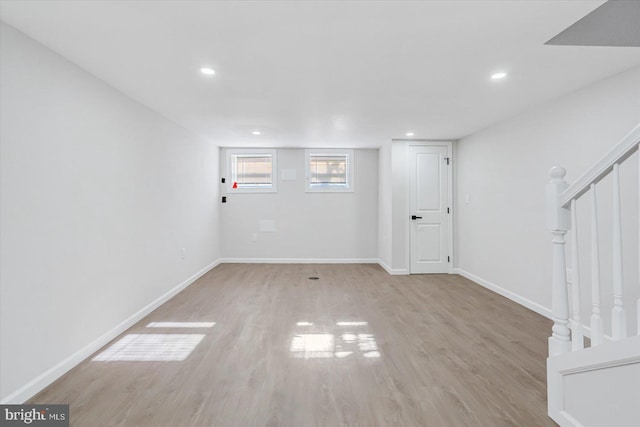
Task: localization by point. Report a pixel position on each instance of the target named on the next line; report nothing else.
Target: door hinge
(448, 210)
(447, 159)
(448, 259)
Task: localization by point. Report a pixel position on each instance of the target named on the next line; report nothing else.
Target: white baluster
(577, 337)
(596, 319)
(618, 317)
(558, 224)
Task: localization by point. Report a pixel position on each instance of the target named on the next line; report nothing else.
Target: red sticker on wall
(235, 185)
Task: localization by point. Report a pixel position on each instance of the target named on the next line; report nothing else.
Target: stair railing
(561, 198)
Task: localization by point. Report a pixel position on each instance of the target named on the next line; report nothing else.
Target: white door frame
(407, 208)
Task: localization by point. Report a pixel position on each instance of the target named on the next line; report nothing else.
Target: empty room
(319, 213)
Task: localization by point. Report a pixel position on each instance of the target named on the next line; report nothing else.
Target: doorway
(430, 208)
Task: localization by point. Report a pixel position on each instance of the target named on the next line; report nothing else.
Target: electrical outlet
(183, 253)
(254, 237)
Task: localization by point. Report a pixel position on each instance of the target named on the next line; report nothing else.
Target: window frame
(348, 152)
(231, 152)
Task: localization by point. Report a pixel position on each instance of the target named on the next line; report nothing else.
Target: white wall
(605, 396)
(399, 221)
(501, 236)
(309, 226)
(385, 203)
(98, 196)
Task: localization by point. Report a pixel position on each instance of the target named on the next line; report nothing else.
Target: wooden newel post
(558, 222)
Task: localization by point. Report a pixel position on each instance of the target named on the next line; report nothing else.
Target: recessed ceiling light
(207, 71)
(256, 132)
(409, 133)
(498, 76)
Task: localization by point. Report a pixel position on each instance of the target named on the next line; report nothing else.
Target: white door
(430, 210)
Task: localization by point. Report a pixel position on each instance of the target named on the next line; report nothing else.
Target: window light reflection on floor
(181, 325)
(151, 348)
(312, 346)
(348, 343)
(352, 323)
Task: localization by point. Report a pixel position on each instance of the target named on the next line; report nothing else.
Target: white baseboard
(586, 331)
(34, 386)
(541, 310)
(393, 271)
(299, 261)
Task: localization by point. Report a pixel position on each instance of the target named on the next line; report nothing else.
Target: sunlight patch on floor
(181, 325)
(345, 343)
(151, 348)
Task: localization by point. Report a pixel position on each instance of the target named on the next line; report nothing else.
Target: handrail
(624, 149)
(561, 215)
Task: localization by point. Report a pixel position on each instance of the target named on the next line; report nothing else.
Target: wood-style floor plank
(451, 353)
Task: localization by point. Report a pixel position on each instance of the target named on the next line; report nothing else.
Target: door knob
(415, 217)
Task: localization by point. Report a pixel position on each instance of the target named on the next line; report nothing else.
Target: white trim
(228, 173)
(299, 261)
(349, 153)
(393, 271)
(619, 153)
(534, 306)
(611, 355)
(586, 331)
(37, 384)
(450, 202)
(428, 143)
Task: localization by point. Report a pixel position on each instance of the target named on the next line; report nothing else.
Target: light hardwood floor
(451, 353)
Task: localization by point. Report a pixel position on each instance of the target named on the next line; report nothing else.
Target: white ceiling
(325, 73)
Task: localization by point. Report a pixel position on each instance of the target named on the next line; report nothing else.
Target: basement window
(329, 170)
(251, 171)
